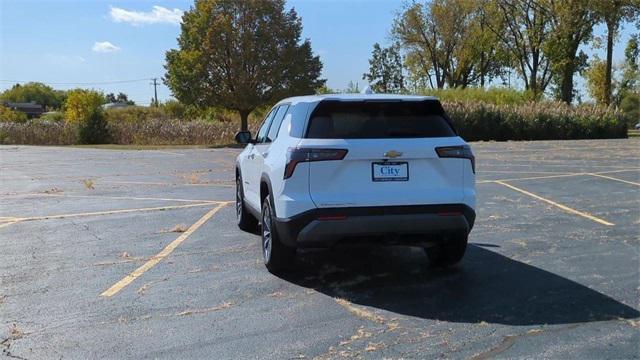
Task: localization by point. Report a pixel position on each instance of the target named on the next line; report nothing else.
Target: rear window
(334, 119)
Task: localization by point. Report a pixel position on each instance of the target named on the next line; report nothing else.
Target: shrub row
(474, 121)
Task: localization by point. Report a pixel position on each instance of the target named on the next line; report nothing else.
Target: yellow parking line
(115, 288)
(617, 171)
(531, 178)
(116, 197)
(536, 162)
(165, 184)
(110, 212)
(565, 175)
(616, 179)
(9, 223)
(563, 207)
(525, 172)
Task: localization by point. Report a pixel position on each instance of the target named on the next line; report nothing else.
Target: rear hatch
(391, 157)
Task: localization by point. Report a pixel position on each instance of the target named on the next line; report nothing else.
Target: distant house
(32, 109)
(115, 105)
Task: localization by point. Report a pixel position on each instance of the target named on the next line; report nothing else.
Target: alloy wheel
(266, 233)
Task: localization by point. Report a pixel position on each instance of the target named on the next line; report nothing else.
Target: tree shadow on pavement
(486, 286)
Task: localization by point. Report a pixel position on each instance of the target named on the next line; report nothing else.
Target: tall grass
(534, 121)
(38, 132)
(146, 132)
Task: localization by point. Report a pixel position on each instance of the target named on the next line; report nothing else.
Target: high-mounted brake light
(298, 155)
(463, 152)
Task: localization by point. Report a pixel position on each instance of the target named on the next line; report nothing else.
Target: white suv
(333, 169)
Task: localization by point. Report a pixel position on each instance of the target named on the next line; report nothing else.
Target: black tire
(277, 256)
(245, 220)
(449, 251)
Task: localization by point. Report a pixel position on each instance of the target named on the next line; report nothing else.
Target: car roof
(353, 97)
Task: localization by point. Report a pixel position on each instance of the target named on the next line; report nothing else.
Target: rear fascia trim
(289, 228)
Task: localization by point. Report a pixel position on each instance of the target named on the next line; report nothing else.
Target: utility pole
(155, 91)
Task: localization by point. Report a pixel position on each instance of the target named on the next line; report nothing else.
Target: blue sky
(92, 42)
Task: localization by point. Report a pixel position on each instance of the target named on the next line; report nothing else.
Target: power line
(78, 83)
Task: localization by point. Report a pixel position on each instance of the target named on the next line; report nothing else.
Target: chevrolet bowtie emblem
(392, 154)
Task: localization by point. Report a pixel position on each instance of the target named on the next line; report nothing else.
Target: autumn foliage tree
(81, 103)
(241, 54)
(451, 42)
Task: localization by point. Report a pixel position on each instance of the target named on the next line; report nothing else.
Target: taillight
(298, 155)
(463, 152)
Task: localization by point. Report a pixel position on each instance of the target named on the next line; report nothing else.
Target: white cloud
(157, 15)
(104, 47)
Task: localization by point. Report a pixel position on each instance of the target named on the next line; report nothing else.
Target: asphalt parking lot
(135, 254)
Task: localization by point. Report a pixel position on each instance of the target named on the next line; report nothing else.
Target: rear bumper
(414, 224)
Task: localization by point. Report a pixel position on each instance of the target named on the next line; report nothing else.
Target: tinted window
(277, 121)
(378, 119)
(264, 128)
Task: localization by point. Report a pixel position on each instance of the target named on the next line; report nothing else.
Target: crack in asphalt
(509, 340)
(6, 351)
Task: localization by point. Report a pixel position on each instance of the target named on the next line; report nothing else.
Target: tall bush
(94, 129)
(81, 103)
(9, 115)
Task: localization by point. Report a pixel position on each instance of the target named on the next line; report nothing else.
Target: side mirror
(243, 137)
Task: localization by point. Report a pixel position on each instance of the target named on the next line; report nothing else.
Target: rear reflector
(298, 155)
(461, 152)
(451, 213)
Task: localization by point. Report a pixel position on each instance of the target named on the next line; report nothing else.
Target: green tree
(120, 98)
(352, 88)
(491, 53)
(35, 92)
(526, 29)
(612, 13)
(571, 24)
(324, 89)
(631, 68)
(385, 70)
(239, 55)
(628, 95)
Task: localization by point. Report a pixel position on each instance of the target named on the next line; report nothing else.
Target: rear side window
(333, 119)
(277, 121)
(264, 128)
